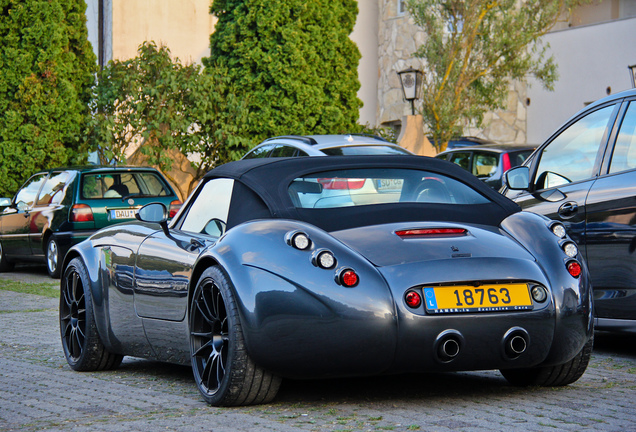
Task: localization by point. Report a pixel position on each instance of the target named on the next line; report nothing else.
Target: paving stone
(39, 392)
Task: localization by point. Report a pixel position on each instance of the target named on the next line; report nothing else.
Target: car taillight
(348, 278)
(341, 183)
(81, 213)
(413, 299)
(175, 206)
(574, 268)
(425, 232)
(505, 160)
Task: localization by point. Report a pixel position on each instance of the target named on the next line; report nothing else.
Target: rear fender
(291, 309)
(572, 296)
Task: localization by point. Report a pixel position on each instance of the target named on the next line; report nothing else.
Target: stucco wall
(185, 29)
(365, 35)
(591, 60)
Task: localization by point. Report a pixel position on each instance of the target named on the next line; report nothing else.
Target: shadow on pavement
(615, 343)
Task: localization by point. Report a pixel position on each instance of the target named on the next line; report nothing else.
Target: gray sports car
(327, 267)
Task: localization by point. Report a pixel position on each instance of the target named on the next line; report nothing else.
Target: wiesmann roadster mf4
(329, 267)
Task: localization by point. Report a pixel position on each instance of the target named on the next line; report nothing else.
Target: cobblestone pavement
(39, 392)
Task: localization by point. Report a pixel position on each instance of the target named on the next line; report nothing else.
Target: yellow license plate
(483, 298)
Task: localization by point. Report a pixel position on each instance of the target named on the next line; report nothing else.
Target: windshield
(359, 187)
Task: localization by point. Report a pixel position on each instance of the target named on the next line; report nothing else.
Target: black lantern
(411, 80)
(632, 73)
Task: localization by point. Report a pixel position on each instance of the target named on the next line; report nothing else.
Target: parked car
(324, 145)
(489, 161)
(59, 208)
(430, 270)
(584, 175)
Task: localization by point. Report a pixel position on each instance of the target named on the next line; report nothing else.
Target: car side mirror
(518, 178)
(152, 213)
(22, 206)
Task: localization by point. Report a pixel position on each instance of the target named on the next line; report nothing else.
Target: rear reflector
(574, 268)
(432, 232)
(413, 299)
(81, 213)
(348, 278)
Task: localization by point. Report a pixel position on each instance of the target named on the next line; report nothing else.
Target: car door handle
(568, 209)
(197, 243)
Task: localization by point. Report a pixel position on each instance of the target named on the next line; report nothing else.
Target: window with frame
(401, 7)
(30, 190)
(571, 156)
(210, 209)
(53, 190)
(624, 155)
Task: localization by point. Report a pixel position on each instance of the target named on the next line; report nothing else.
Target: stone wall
(398, 40)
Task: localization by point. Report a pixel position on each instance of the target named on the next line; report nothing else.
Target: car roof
(270, 178)
(100, 168)
(314, 144)
(495, 148)
(320, 141)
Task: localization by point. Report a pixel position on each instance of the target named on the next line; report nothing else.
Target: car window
(259, 152)
(484, 164)
(210, 208)
(624, 156)
(53, 190)
(517, 158)
(570, 156)
(283, 151)
(119, 185)
(462, 159)
(30, 189)
(346, 188)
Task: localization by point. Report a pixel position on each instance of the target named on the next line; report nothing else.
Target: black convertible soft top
(270, 178)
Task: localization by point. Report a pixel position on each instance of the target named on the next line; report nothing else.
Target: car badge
(131, 201)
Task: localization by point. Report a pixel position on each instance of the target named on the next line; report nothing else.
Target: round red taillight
(413, 299)
(574, 268)
(349, 278)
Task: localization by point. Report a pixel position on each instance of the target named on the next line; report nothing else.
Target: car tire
(83, 349)
(5, 265)
(223, 371)
(552, 376)
(53, 257)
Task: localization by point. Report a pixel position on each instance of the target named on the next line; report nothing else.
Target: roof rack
(305, 139)
(370, 136)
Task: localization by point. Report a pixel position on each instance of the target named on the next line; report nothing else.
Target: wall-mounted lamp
(411, 80)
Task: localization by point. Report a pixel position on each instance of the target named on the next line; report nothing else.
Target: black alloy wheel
(223, 371)
(82, 346)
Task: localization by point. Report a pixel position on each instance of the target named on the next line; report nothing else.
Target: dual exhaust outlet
(449, 344)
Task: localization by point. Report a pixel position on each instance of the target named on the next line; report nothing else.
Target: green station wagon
(59, 208)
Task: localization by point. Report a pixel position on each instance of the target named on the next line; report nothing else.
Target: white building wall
(365, 35)
(592, 62)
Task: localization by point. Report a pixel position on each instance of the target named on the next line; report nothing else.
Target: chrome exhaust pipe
(515, 342)
(448, 345)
